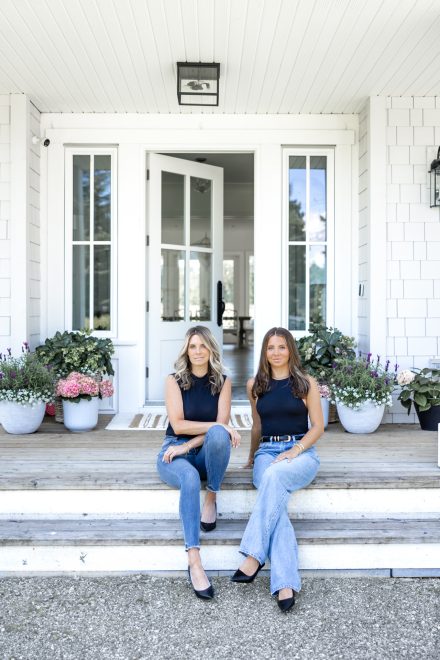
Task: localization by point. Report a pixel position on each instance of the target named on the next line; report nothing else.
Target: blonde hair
(297, 374)
(182, 365)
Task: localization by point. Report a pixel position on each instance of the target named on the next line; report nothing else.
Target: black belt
(281, 438)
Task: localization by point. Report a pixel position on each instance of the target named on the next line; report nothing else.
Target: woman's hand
(249, 465)
(234, 435)
(287, 456)
(174, 451)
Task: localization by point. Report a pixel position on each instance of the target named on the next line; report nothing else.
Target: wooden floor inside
(396, 456)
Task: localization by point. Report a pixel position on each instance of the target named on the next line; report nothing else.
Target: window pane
(81, 198)
(297, 287)
(173, 208)
(318, 283)
(173, 285)
(200, 286)
(200, 232)
(102, 192)
(318, 201)
(80, 289)
(297, 198)
(101, 301)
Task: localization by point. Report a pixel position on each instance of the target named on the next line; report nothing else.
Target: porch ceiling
(276, 56)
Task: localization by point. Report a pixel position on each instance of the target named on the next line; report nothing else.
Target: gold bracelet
(301, 446)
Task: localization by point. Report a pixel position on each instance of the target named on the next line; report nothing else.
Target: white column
(377, 238)
(268, 241)
(19, 221)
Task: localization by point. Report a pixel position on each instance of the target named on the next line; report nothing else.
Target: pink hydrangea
(77, 385)
(105, 389)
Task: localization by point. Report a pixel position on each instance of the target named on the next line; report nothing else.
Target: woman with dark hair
(284, 460)
(198, 441)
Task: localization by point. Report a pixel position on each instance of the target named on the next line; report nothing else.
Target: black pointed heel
(239, 576)
(204, 594)
(209, 527)
(286, 603)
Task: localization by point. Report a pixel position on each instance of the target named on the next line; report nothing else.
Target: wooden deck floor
(396, 456)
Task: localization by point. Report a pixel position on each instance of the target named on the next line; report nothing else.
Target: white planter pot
(365, 419)
(21, 418)
(325, 405)
(81, 416)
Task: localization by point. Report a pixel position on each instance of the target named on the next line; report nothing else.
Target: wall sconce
(197, 83)
(434, 182)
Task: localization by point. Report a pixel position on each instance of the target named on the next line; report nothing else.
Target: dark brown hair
(298, 376)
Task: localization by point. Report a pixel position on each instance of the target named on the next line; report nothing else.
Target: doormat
(156, 419)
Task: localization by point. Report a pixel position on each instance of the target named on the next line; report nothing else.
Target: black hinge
(147, 372)
(147, 306)
(148, 175)
(147, 240)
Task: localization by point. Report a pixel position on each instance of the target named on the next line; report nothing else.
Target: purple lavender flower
(396, 366)
(13, 374)
(387, 365)
(369, 357)
(9, 352)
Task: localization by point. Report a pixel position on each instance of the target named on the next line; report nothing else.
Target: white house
(116, 202)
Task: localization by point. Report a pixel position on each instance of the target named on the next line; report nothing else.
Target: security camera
(46, 142)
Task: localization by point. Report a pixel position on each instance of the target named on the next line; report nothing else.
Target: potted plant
(77, 351)
(80, 395)
(80, 352)
(26, 385)
(421, 387)
(361, 388)
(318, 351)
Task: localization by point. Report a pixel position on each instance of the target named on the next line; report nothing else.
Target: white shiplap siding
(5, 210)
(34, 235)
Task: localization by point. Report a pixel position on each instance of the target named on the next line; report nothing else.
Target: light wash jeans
(269, 532)
(185, 472)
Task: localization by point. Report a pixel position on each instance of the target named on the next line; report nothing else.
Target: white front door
(185, 255)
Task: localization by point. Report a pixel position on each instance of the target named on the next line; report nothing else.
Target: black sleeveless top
(199, 404)
(281, 412)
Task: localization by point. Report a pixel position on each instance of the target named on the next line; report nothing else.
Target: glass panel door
(185, 218)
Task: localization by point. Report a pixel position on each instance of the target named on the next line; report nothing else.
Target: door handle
(220, 303)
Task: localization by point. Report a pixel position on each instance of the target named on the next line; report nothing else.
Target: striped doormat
(156, 419)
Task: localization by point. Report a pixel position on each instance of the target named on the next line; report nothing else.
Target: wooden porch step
(228, 532)
(145, 545)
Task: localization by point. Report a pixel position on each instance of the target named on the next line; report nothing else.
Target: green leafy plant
(323, 347)
(77, 351)
(421, 387)
(25, 379)
(362, 380)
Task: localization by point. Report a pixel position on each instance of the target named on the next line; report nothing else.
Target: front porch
(93, 502)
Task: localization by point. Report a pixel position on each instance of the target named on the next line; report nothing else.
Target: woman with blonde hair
(198, 441)
(284, 459)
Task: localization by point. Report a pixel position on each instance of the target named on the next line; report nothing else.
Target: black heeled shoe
(239, 576)
(204, 594)
(286, 603)
(208, 527)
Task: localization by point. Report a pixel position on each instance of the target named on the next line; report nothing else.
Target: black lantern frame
(434, 182)
(198, 83)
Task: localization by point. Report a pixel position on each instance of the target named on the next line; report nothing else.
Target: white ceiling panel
(276, 56)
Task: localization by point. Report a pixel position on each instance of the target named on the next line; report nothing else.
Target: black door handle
(220, 303)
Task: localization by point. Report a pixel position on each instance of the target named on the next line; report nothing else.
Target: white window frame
(330, 251)
(70, 152)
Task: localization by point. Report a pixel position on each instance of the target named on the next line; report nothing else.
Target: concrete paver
(141, 616)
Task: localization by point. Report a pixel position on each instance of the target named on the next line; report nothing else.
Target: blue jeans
(185, 472)
(269, 532)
